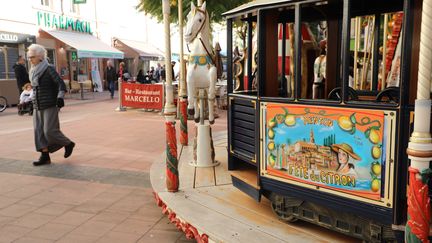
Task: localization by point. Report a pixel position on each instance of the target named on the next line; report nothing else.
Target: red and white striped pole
(172, 179)
(420, 146)
(182, 83)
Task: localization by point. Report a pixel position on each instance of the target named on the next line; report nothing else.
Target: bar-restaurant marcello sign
(61, 22)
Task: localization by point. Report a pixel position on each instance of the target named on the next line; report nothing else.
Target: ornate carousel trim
(190, 231)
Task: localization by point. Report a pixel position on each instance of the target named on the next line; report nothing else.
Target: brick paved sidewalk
(45, 209)
(101, 193)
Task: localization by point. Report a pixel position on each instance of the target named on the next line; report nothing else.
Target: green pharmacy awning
(87, 45)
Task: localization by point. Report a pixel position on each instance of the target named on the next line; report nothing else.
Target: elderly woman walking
(49, 90)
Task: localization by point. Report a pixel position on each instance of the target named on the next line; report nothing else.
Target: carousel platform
(211, 209)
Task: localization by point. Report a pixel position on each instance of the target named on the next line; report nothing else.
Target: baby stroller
(26, 107)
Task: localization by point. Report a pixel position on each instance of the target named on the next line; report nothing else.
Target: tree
(215, 8)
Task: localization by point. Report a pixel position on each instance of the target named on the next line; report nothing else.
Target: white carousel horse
(201, 70)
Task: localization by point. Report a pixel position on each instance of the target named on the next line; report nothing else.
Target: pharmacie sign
(51, 20)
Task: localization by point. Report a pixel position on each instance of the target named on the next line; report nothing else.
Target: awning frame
(82, 42)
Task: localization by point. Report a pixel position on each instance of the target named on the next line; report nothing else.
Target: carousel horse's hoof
(191, 112)
(197, 120)
(212, 122)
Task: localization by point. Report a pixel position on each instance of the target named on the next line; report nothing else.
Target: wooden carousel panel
(242, 137)
(243, 146)
(246, 132)
(244, 109)
(244, 117)
(222, 212)
(247, 176)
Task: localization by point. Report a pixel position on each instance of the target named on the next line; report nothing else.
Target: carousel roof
(251, 6)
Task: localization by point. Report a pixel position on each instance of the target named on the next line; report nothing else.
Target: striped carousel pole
(420, 147)
(182, 83)
(172, 179)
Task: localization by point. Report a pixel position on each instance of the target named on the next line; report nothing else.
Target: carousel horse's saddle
(201, 60)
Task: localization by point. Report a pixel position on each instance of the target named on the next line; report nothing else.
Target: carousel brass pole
(356, 50)
(420, 146)
(182, 83)
(172, 179)
(366, 50)
(384, 73)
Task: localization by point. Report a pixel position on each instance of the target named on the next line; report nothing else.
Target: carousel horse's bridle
(203, 22)
(201, 60)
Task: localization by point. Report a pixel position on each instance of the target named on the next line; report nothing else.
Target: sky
(124, 21)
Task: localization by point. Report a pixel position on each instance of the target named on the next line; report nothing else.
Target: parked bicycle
(3, 103)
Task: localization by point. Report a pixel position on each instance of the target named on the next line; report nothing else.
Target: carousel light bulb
(390, 24)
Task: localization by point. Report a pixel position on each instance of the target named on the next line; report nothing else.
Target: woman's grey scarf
(36, 72)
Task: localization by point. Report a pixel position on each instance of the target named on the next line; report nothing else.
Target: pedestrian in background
(140, 78)
(150, 73)
(157, 73)
(27, 94)
(123, 73)
(49, 90)
(21, 74)
(162, 73)
(26, 100)
(173, 63)
(111, 77)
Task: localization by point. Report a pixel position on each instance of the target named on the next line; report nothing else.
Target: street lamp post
(420, 146)
(172, 179)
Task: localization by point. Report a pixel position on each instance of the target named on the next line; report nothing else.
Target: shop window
(78, 67)
(2, 64)
(82, 64)
(51, 56)
(12, 58)
(45, 2)
(8, 57)
(129, 65)
(74, 8)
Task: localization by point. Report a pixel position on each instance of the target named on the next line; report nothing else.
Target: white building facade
(78, 37)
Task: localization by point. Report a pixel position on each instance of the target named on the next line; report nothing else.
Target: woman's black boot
(69, 149)
(44, 159)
